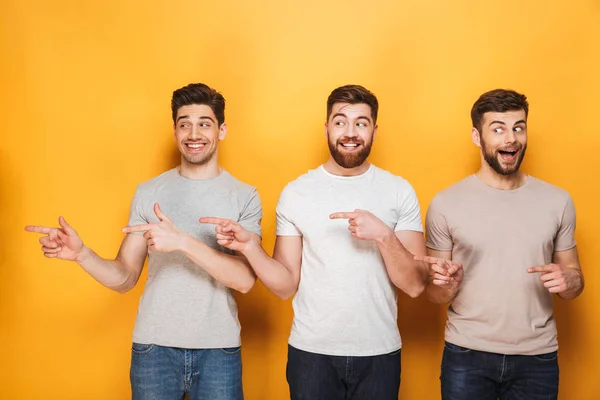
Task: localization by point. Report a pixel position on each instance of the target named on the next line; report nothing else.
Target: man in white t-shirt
(346, 235)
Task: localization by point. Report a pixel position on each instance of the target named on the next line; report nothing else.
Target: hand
(62, 243)
(230, 234)
(364, 225)
(162, 236)
(556, 278)
(446, 273)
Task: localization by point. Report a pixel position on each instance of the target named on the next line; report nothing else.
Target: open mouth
(508, 155)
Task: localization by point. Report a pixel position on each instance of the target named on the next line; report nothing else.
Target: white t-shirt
(346, 304)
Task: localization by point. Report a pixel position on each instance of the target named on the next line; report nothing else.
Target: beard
(349, 159)
(492, 158)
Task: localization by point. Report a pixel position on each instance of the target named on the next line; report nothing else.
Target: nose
(351, 132)
(195, 132)
(510, 137)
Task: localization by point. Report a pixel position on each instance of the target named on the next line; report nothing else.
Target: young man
(513, 234)
(346, 234)
(187, 334)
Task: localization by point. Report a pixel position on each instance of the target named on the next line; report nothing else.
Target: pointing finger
(343, 215)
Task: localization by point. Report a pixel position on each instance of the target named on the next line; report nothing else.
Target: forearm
(404, 271)
(111, 273)
(229, 270)
(576, 288)
(273, 274)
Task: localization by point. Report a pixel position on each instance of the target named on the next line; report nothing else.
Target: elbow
(122, 289)
(246, 286)
(285, 294)
(416, 290)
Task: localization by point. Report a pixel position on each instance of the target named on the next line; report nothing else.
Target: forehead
(508, 117)
(352, 110)
(197, 111)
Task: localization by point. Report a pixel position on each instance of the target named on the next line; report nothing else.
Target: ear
(175, 131)
(476, 137)
(375, 131)
(222, 131)
(325, 130)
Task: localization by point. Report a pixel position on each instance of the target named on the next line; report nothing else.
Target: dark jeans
(168, 373)
(469, 374)
(314, 376)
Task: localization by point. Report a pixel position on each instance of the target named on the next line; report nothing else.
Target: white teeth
(350, 145)
(195, 146)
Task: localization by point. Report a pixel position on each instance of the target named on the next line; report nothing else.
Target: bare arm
(229, 270)
(408, 274)
(280, 273)
(120, 274)
(445, 276)
(563, 276)
(398, 251)
(232, 271)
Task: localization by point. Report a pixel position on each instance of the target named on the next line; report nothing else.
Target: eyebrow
(521, 121)
(187, 116)
(345, 116)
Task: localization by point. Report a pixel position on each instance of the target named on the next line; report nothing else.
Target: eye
(184, 125)
(204, 124)
(338, 123)
(361, 124)
(518, 128)
(497, 130)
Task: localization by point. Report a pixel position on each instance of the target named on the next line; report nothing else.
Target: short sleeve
(409, 210)
(136, 213)
(565, 237)
(251, 215)
(284, 212)
(438, 235)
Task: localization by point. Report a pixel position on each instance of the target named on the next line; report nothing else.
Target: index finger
(540, 268)
(38, 229)
(343, 215)
(138, 228)
(215, 220)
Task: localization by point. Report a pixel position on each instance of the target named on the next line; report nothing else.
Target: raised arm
(120, 274)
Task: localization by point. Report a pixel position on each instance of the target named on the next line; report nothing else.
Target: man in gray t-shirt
(187, 334)
(346, 235)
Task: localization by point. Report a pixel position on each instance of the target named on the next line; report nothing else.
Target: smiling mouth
(350, 146)
(195, 146)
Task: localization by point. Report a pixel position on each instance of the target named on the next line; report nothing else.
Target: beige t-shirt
(496, 235)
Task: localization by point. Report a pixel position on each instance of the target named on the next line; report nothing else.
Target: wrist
(83, 255)
(250, 247)
(386, 237)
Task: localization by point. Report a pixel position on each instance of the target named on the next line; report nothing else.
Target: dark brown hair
(353, 94)
(199, 93)
(498, 100)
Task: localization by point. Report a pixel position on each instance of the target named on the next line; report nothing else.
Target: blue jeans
(314, 376)
(469, 374)
(168, 373)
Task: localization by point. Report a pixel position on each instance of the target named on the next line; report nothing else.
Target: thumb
(161, 216)
(66, 227)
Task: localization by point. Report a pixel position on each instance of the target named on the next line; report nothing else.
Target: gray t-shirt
(346, 303)
(182, 305)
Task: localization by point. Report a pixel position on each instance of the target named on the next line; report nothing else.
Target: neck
(335, 169)
(199, 171)
(503, 182)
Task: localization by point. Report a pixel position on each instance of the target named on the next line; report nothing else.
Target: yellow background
(85, 90)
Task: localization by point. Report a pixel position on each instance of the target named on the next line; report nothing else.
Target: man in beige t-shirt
(500, 243)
